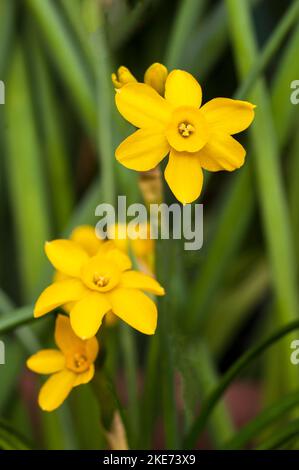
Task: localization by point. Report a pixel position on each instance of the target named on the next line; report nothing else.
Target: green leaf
(10, 439)
(213, 398)
(281, 437)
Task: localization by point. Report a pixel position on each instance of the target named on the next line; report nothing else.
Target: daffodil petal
(135, 308)
(182, 89)
(56, 389)
(66, 256)
(86, 237)
(57, 294)
(155, 76)
(223, 152)
(84, 377)
(87, 315)
(138, 280)
(228, 116)
(92, 348)
(184, 176)
(143, 150)
(46, 361)
(119, 258)
(142, 106)
(65, 337)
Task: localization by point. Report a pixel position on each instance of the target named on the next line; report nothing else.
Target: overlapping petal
(65, 337)
(228, 116)
(135, 308)
(92, 348)
(184, 176)
(85, 377)
(87, 315)
(181, 89)
(143, 150)
(138, 280)
(46, 361)
(142, 106)
(57, 294)
(56, 389)
(223, 152)
(66, 256)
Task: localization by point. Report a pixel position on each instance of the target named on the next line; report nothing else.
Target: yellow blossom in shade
(155, 76)
(70, 365)
(196, 137)
(98, 284)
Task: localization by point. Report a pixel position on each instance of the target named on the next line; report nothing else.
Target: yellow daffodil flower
(155, 76)
(195, 137)
(98, 284)
(70, 365)
(86, 237)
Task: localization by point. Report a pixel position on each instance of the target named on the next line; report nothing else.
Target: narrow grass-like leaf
(52, 138)
(26, 179)
(271, 414)
(272, 196)
(281, 437)
(187, 16)
(76, 77)
(241, 364)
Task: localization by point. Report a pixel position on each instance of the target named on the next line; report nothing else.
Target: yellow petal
(135, 308)
(138, 280)
(84, 377)
(87, 315)
(122, 77)
(57, 294)
(66, 256)
(184, 176)
(143, 150)
(223, 152)
(56, 389)
(118, 257)
(181, 89)
(142, 106)
(92, 348)
(155, 76)
(228, 116)
(46, 361)
(65, 337)
(85, 236)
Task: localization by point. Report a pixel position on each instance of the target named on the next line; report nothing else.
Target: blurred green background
(59, 129)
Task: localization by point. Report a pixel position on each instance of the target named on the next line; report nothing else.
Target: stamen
(186, 129)
(79, 360)
(100, 281)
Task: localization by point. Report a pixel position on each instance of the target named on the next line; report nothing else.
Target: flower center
(78, 362)
(100, 281)
(99, 274)
(186, 129)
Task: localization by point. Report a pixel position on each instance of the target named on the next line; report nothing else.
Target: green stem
(221, 427)
(16, 318)
(131, 370)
